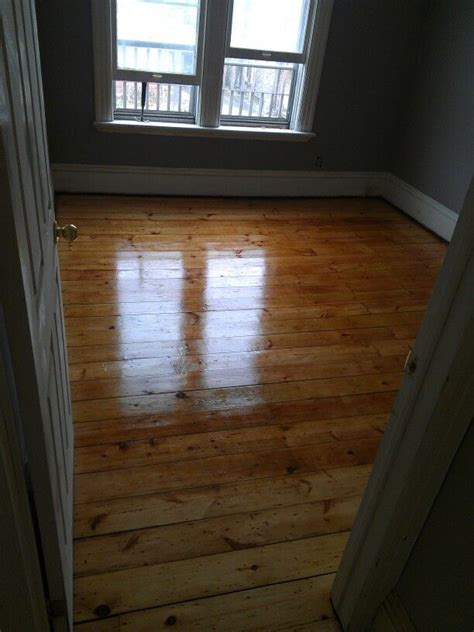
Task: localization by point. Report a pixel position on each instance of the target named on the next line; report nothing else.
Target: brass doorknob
(69, 232)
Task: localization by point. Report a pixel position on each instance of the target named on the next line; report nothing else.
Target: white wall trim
(160, 128)
(219, 182)
(430, 213)
(71, 178)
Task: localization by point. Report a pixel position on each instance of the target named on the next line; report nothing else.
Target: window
(209, 63)
(257, 91)
(160, 100)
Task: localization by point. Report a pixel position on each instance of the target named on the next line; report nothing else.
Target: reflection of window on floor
(146, 314)
(149, 321)
(234, 295)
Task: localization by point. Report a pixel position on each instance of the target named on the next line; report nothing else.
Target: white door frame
(430, 417)
(22, 597)
(30, 301)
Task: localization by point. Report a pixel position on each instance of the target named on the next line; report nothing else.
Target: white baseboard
(430, 213)
(69, 178)
(219, 182)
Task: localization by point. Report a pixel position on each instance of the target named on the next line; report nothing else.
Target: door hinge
(411, 363)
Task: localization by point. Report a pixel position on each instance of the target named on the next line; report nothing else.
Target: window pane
(162, 98)
(157, 35)
(257, 89)
(275, 25)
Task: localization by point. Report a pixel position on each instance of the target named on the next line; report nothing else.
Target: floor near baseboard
(232, 366)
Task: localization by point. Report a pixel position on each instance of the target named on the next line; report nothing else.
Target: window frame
(297, 59)
(213, 49)
(255, 121)
(157, 116)
(121, 74)
(262, 54)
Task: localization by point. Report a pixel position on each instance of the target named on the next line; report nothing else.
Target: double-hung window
(197, 66)
(157, 55)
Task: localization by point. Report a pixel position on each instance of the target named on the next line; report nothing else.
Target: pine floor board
(170, 365)
(145, 479)
(181, 447)
(156, 425)
(208, 536)
(297, 605)
(233, 363)
(235, 397)
(198, 503)
(226, 378)
(172, 582)
(227, 345)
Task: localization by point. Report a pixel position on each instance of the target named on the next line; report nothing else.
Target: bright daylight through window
(210, 63)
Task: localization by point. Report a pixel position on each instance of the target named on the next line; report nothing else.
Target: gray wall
(437, 585)
(436, 149)
(370, 45)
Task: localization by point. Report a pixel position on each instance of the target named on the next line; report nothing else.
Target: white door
(30, 296)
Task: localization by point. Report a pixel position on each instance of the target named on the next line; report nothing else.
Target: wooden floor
(232, 366)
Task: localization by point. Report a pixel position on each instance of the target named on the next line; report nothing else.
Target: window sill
(186, 129)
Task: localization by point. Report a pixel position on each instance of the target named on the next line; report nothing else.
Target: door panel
(30, 293)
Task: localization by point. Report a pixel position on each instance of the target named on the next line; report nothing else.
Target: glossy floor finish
(232, 366)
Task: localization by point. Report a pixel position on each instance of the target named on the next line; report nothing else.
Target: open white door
(31, 300)
(430, 417)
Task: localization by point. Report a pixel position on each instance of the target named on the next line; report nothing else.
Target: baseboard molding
(70, 178)
(218, 182)
(430, 213)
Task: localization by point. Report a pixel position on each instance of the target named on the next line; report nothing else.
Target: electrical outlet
(318, 162)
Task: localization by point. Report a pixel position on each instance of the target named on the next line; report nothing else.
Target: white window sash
(256, 121)
(270, 55)
(264, 55)
(127, 74)
(154, 77)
